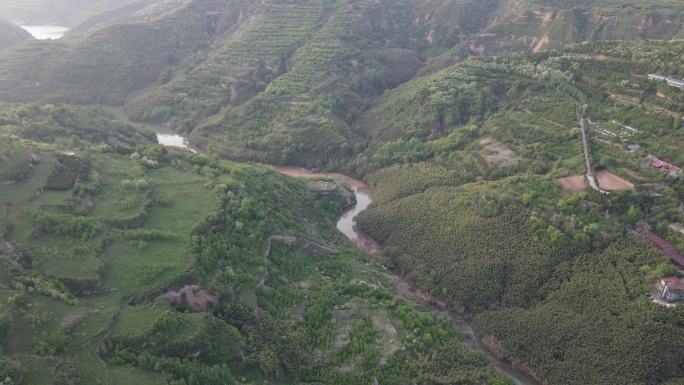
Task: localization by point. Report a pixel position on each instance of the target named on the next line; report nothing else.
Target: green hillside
(250, 75)
(107, 65)
(278, 106)
(465, 166)
(11, 34)
(79, 13)
(462, 116)
(98, 225)
(540, 25)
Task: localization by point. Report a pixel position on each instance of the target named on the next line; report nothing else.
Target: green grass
(62, 257)
(39, 370)
(45, 317)
(20, 196)
(136, 320)
(124, 375)
(129, 269)
(188, 199)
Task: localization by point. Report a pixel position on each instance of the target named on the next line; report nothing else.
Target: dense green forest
(475, 215)
(123, 261)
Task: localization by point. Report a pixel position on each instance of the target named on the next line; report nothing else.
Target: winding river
(406, 290)
(346, 224)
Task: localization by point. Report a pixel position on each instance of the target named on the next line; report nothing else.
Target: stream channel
(405, 289)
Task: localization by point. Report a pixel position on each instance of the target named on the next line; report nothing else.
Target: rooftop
(673, 283)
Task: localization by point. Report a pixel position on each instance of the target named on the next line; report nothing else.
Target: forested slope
(573, 317)
(463, 117)
(124, 262)
(465, 166)
(107, 65)
(286, 82)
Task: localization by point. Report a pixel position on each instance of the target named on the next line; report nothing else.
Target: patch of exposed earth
(497, 153)
(576, 183)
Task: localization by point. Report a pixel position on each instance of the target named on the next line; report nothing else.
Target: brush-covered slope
(467, 167)
(97, 238)
(270, 75)
(10, 34)
(285, 82)
(110, 63)
(71, 13)
(290, 80)
(542, 24)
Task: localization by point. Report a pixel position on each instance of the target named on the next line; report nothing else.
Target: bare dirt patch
(600, 57)
(303, 173)
(497, 153)
(577, 183)
(200, 300)
(612, 182)
(409, 293)
(431, 36)
(677, 228)
(539, 44)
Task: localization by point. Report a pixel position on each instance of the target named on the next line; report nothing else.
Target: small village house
(674, 170)
(671, 289)
(664, 166)
(657, 163)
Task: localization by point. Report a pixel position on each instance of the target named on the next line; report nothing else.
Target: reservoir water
(45, 32)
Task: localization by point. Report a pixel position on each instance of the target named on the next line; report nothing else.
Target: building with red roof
(664, 166)
(671, 289)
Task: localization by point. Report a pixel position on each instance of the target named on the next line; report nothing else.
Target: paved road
(590, 174)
